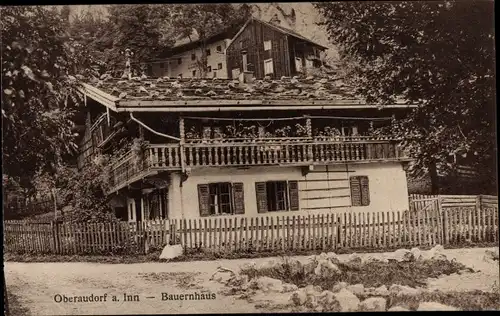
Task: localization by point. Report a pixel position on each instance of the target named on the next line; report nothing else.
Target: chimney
(275, 20)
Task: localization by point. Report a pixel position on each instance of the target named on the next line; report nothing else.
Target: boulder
(270, 264)
(401, 290)
(327, 301)
(370, 259)
(287, 287)
(491, 255)
(381, 291)
(402, 255)
(436, 253)
(249, 265)
(339, 286)
(357, 289)
(313, 289)
(348, 302)
(376, 304)
(435, 306)
(332, 256)
(417, 254)
(171, 252)
(267, 284)
(398, 309)
(238, 281)
(298, 297)
(223, 277)
(354, 258)
(326, 269)
(311, 301)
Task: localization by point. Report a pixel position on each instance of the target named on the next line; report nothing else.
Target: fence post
(444, 221)
(478, 203)
(55, 236)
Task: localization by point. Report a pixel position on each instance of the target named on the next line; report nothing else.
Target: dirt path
(36, 284)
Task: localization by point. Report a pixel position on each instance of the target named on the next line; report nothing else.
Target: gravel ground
(36, 284)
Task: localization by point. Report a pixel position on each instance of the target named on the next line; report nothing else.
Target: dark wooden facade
(284, 49)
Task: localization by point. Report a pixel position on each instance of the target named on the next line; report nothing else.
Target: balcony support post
(310, 156)
(181, 150)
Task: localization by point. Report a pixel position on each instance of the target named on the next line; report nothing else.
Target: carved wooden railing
(257, 152)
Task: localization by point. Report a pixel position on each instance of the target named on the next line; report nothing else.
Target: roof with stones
(168, 89)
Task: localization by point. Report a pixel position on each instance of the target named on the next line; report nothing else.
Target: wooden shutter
(355, 191)
(365, 191)
(293, 193)
(261, 193)
(238, 198)
(204, 199)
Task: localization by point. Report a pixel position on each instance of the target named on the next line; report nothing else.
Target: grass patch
(204, 255)
(15, 308)
(466, 301)
(372, 274)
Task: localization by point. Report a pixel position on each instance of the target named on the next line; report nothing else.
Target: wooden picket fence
(355, 230)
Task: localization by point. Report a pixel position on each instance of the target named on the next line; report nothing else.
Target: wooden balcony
(240, 153)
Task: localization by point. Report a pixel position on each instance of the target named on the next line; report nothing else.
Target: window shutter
(365, 191)
(261, 193)
(293, 193)
(204, 199)
(238, 198)
(355, 191)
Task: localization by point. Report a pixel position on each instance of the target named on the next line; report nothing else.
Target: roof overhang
(215, 105)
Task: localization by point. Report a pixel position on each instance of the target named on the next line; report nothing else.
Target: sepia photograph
(271, 157)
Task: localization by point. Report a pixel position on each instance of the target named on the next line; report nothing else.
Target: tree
(438, 55)
(39, 96)
(137, 27)
(205, 20)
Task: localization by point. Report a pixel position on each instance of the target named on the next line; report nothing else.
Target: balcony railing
(284, 151)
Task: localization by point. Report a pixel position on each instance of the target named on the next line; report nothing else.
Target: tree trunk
(434, 178)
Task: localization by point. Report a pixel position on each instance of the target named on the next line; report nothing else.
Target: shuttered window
(360, 192)
(276, 196)
(221, 198)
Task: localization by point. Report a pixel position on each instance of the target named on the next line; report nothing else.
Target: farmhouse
(225, 147)
(258, 48)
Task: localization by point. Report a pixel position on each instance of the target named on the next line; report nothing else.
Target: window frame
(179, 61)
(268, 45)
(193, 56)
(362, 185)
(219, 66)
(274, 196)
(219, 48)
(270, 60)
(211, 194)
(208, 52)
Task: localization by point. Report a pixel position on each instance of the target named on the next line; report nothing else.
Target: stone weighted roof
(169, 89)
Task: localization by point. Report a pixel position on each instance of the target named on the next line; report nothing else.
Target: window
(275, 196)
(219, 49)
(179, 61)
(219, 66)
(194, 73)
(349, 130)
(221, 198)
(209, 68)
(208, 52)
(267, 45)
(268, 67)
(193, 56)
(360, 193)
(215, 74)
(241, 44)
(179, 76)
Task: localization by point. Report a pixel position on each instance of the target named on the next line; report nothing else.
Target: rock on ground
(402, 255)
(403, 290)
(381, 291)
(348, 302)
(491, 255)
(267, 284)
(435, 306)
(398, 309)
(357, 289)
(339, 286)
(376, 304)
(417, 254)
(298, 297)
(170, 252)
